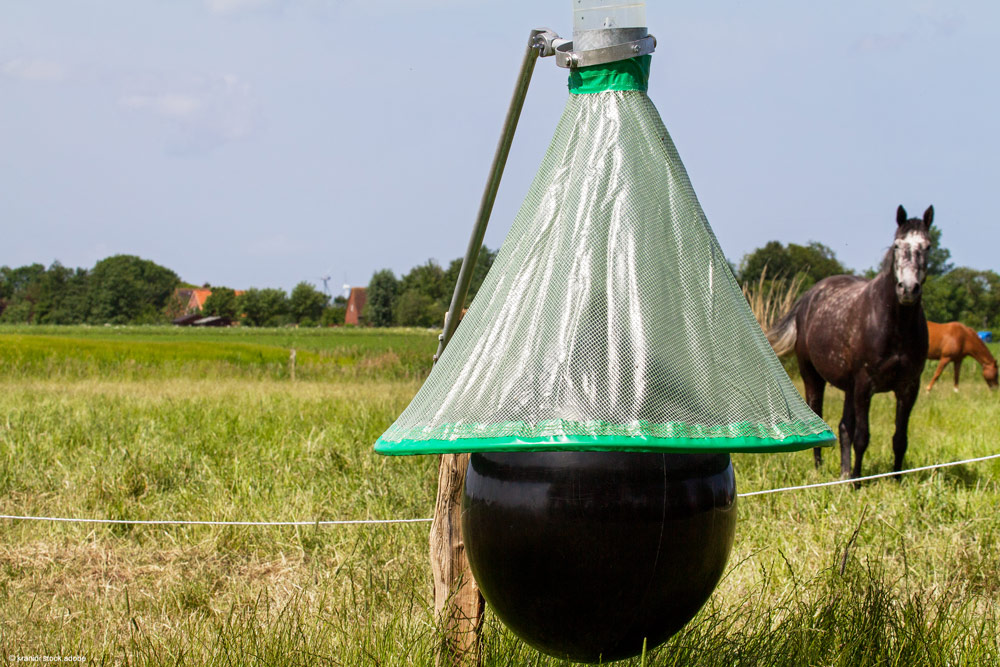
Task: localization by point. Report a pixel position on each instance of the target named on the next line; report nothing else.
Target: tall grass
(771, 299)
(891, 573)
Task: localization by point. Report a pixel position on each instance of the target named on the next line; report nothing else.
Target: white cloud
(175, 105)
(204, 111)
(33, 70)
(233, 6)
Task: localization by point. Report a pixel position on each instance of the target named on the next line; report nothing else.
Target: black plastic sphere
(584, 555)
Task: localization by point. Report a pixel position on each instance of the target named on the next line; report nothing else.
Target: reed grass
(771, 299)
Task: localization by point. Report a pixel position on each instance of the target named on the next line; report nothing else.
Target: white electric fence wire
(346, 522)
(180, 522)
(862, 479)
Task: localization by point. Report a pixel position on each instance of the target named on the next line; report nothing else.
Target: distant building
(355, 302)
(189, 301)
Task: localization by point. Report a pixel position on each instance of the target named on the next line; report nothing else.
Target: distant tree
(963, 295)
(426, 279)
(814, 262)
(334, 314)
(266, 307)
(772, 257)
(415, 309)
(13, 281)
(221, 302)
(938, 256)
(18, 312)
(126, 288)
(383, 290)
(306, 303)
(20, 290)
(63, 295)
(483, 264)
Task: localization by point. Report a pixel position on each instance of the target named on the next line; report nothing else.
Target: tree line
(421, 297)
(125, 289)
(950, 294)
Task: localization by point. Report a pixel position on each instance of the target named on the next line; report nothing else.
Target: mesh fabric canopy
(610, 319)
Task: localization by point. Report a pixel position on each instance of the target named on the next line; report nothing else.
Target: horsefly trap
(606, 369)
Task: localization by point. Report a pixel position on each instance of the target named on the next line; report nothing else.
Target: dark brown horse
(953, 342)
(864, 337)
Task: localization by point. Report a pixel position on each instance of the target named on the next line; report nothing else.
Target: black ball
(584, 555)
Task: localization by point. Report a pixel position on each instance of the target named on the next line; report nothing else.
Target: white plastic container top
(604, 14)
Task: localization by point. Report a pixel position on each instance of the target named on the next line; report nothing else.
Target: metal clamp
(546, 41)
(566, 57)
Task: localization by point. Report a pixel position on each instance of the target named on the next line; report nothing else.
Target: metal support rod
(458, 604)
(490, 193)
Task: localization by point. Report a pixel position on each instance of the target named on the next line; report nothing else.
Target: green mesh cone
(610, 319)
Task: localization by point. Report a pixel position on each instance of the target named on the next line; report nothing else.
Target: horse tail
(782, 335)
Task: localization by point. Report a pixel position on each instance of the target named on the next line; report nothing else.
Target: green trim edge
(628, 74)
(605, 443)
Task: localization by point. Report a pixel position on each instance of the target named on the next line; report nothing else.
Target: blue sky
(264, 142)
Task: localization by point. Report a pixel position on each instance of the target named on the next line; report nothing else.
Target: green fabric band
(630, 74)
(602, 443)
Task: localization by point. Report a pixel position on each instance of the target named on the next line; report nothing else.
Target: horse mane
(887, 261)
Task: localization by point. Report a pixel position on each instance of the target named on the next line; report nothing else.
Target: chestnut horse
(952, 342)
(864, 337)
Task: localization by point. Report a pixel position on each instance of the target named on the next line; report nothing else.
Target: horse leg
(815, 387)
(942, 362)
(905, 399)
(958, 369)
(847, 424)
(862, 404)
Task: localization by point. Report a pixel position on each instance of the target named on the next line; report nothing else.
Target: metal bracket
(566, 57)
(546, 41)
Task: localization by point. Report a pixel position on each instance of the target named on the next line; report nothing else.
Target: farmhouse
(188, 301)
(185, 307)
(355, 302)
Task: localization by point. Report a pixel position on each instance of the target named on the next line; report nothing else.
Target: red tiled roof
(193, 298)
(198, 297)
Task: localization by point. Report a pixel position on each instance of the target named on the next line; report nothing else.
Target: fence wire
(349, 522)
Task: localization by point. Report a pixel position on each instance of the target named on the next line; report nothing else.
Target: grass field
(153, 423)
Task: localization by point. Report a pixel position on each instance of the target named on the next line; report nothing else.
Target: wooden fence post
(458, 604)
(457, 601)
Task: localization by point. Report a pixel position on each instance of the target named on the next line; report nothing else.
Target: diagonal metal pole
(457, 601)
(489, 193)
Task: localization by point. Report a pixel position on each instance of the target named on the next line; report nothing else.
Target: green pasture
(155, 352)
(158, 423)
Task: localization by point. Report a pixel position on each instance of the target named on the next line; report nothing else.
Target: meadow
(163, 423)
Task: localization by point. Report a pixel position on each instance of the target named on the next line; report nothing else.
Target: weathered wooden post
(457, 601)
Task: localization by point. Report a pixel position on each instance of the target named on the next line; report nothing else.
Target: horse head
(990, 374)
(909, 254)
